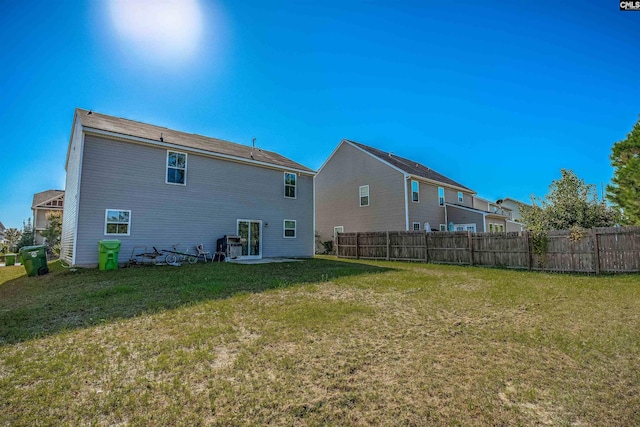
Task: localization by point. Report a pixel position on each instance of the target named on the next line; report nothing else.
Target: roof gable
(45, 196)
(409, 166)
(129, 128)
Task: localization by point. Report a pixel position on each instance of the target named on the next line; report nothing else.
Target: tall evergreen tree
(624, 190)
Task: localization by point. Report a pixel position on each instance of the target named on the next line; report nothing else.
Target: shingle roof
(409, 166)
(213, 145)
(43, 196)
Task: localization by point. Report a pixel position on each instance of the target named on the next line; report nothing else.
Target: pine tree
(624, 191)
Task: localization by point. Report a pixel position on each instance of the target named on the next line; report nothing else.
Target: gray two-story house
(361, 188)
(147, 185)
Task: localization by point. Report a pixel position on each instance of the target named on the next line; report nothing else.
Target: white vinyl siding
(290, 185)
(176, 168)
(289, 229)
(364, 195)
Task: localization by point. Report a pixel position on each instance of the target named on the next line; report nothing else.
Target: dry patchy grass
(364, 343)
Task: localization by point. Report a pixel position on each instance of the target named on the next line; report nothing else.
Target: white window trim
(335, 230)
(106, 213)
(443, 227)
(413, 226)
(284, 229)
(443, 201)
(360, 196)
(465, 227)
(295, 186)
(166, 168)
(460, 197)
(417, 192)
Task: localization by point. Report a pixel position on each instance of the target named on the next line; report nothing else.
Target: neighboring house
(44, 203)
(514, 205)
(496, 217)
(360, 188)
(147, 185)
(2, 229)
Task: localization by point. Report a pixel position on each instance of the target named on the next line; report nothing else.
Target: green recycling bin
(9, 259)
(34, 259)
(108, 251)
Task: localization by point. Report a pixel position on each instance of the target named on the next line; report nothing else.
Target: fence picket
(610, 250)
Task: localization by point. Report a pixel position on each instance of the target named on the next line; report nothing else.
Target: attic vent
(416, 165)
(390, 153)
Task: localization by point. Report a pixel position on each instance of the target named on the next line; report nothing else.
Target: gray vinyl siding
(128, 176)
(515, 209)
(481, 204)
(72, 194)
(464, 216)
(337, 194)
(40, 219)
(428, 208)
(514, 226)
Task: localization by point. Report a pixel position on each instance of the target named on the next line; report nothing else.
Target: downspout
(406, 203)
(446, 217)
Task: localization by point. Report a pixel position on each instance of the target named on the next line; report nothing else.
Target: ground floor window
(443, 227)
(289, 228)
(416, 226)
(117, 222)
(465, 227)
(336, 230)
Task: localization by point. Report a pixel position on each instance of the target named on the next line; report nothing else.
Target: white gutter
(101, 132)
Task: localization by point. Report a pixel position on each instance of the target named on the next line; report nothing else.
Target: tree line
(572, 204)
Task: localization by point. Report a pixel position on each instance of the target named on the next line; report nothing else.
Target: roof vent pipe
(253, 146)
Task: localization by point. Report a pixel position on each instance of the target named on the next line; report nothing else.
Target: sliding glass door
(250, 232)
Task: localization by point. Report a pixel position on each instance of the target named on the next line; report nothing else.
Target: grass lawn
(323, 341)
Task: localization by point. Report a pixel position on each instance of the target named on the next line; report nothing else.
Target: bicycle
(175, 255)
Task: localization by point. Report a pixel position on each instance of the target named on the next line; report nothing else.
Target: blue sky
(498, 96)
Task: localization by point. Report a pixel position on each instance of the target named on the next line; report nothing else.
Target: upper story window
(460, 197)
(364, 195)
(415, 191)
(441, 196)
(176, 168)
(117, 222)
(290, 185)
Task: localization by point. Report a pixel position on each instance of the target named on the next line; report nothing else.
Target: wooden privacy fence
(600, 250)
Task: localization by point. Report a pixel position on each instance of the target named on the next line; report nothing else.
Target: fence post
(596, 251)
(388, 245)
(527, 243)
(357, 247)
(426, 247)
(470, 247)
(338, 245)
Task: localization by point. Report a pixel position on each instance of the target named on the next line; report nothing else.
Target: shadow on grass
(33, 307)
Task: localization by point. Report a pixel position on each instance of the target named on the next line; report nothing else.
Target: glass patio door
(250, 232)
